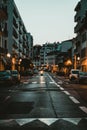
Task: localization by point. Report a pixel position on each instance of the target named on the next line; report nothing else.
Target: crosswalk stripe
(47, 121)
(52, 82)
(42, 82)
(34, 82)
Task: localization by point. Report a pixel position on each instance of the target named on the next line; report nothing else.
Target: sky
(48, 20)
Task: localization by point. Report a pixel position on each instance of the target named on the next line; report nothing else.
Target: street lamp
(8, 55)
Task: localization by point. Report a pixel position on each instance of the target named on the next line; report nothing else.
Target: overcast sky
(48, 20)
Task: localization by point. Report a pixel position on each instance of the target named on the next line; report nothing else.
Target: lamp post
(76, 61)
(2, 26)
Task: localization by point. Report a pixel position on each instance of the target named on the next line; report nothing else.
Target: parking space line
(66, 92)
(74, 100)
(61, 88)
(83, 108)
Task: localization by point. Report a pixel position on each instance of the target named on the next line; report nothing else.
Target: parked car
(15, 76)
(83, 77)
(27, 73)
(6, 77)
(74, 73)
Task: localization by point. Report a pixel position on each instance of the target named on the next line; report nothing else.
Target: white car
(74, 73)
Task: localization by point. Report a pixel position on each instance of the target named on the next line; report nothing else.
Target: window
(5, 46)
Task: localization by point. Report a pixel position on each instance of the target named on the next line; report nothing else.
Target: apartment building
(47, 48)
(81, 32)
(15, 41)
(36, 55)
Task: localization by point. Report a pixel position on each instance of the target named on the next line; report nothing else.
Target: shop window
(84, 68)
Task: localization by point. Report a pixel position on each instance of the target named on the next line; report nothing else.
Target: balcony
(24, 44)
(15, 12)
(24, 36)
(81, 24)
(79, 27)
(15, 34)
(20, 40)
(77, 17)
(78, 6)
(15, 23)
(24, 52)
(20, 22)
(24, 30)
(15, 45)
(20, 30)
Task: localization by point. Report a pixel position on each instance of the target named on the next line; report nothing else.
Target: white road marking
(26, 82)
(42, 82)
(83, 108)
(74, 100)
(21, 122)
(61, 88)
(47, 121)
(51, 78)
(60, 82)
(52, 82)
(34, 82)
(66, 92)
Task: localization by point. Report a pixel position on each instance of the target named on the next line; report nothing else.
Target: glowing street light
(8, 55)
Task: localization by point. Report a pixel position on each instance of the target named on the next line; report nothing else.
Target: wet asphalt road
(40, 102)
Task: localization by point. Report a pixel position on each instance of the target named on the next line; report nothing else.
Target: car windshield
(75, 72)
(83, 73)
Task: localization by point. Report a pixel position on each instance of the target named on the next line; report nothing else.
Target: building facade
(81, 32)
(14, 37)
(47, 48)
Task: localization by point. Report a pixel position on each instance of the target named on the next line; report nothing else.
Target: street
(45, 102)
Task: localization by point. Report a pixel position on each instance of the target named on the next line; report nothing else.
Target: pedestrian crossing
(51, 81)
(46, 121)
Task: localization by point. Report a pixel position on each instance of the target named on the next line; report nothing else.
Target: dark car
(15, 76)
(6, 77)
(83, 77)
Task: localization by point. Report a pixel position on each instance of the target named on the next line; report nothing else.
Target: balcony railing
(15, 33)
